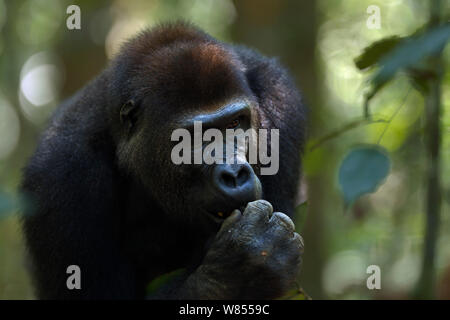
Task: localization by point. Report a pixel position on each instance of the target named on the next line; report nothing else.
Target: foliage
(163, 280)
(362, 171)
(296, 294)
(394, 54)
(364, 168)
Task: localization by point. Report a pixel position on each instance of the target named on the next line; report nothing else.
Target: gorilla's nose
(237, 182)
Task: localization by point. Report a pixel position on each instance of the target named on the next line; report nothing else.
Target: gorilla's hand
(256, 254)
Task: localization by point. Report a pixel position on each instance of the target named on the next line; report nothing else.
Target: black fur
(107, 197)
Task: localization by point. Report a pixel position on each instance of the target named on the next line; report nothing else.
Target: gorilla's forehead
(187, 69)
(193, 74)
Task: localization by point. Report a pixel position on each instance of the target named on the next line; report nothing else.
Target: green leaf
(373, 53)
(362, 171)
(162, 280)
(296, 294)
(409, 54)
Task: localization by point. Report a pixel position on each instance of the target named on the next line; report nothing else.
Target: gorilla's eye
(233, 124)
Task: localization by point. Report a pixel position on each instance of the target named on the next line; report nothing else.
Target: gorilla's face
(225, 180)
(177, 90)
(210, 188)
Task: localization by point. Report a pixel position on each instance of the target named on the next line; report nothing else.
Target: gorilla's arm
(74, 221)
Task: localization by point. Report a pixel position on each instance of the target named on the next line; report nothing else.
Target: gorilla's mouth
(220, 216)
(223, 215)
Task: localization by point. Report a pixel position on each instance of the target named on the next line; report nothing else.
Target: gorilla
(107, 197)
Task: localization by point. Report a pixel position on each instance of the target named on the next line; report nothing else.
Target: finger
(284, 220)
(258, 211)
(228, 222)
(299, 241)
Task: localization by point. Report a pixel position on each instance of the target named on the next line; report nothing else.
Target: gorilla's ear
(129, 114)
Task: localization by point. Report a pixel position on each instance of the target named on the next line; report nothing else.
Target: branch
(349, 126)
(425, 288)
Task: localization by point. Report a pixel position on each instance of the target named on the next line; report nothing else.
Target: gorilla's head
(164, 81)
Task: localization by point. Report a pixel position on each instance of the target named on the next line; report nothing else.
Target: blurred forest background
(42, 63)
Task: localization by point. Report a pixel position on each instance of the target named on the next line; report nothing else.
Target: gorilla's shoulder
(77, 139)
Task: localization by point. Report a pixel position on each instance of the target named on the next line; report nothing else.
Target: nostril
(235, 185)
(243, 176)
(233, 178)
(228, 180)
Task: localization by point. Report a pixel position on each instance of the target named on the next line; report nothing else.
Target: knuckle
(298, 241)
(283, 220)
(260, 206)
